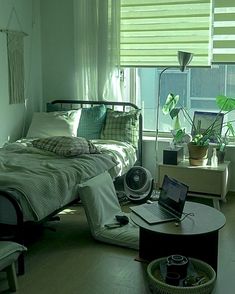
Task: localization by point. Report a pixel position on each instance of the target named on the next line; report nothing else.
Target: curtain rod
(6, 31)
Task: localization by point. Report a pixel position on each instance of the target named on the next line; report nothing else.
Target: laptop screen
(173, 195)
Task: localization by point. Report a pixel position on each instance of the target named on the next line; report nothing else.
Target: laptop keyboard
(156, 210)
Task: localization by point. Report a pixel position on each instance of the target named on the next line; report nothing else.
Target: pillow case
(121, 126)
(47, 124)
(66, 146)
(91, 122)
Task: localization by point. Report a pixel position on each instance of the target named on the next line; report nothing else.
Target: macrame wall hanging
(15, 54)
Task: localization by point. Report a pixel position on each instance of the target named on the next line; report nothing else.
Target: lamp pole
(184, 58)
(157, 112)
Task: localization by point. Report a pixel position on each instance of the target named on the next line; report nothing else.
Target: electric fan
(138, 184)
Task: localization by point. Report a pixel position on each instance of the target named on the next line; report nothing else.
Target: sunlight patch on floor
(68, 211)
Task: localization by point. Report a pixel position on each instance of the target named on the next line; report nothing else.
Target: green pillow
(121, 126)
(91, 122)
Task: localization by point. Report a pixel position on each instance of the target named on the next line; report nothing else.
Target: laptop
(169, 206)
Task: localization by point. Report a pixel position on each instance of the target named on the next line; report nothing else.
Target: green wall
(57, 28)
(26, 17)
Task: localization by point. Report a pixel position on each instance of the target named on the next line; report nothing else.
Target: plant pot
(198, 155)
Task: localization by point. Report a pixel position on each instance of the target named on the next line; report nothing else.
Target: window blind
(224, 31)
(151, 32)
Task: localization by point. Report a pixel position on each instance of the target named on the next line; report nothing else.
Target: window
(151, 33)
(197, 87)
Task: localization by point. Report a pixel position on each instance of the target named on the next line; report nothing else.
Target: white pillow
(48, 124)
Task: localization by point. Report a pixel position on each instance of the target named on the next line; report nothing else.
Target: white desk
(203, 181)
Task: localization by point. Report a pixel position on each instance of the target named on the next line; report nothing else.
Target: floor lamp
(184, 58)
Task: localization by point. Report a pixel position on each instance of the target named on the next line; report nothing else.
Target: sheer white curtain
(97, 49)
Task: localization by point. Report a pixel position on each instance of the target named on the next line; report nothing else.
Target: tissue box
(173, 156)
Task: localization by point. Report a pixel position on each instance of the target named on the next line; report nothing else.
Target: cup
(172, 278)
(177, 263)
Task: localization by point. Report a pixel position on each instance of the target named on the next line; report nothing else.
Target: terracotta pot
(198, 155)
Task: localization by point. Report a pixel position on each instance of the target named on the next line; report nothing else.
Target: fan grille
(136, 178)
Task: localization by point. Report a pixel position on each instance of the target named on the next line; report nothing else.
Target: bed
(69, 143)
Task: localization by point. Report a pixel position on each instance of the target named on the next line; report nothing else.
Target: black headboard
(125, 106)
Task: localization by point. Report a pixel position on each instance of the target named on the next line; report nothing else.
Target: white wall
(12, 117)
(58, 49)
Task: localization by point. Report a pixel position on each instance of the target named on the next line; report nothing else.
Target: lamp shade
(184, 59)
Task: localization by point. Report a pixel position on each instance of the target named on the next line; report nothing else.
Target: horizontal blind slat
(151, 30)
(224, 32)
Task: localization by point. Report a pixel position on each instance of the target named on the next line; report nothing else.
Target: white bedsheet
(123, 153)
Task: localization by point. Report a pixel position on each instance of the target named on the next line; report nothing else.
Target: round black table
(196, 236)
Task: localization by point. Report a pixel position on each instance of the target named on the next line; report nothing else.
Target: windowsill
(231, 145)
(164, 139)
(153, 139)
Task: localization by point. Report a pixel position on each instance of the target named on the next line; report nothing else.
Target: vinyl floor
(63, 258)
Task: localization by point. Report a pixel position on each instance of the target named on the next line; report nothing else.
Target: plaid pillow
(121, 126)
(66, 146)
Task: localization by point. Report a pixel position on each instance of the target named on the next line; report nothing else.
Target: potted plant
(198, 147)
(222, 142)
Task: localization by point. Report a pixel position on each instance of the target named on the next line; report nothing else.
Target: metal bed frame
(125, 106)
(15, 230)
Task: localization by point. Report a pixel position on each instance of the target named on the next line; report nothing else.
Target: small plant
(224, 140)
(202, 138)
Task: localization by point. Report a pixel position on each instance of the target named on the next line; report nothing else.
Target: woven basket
(158, 285)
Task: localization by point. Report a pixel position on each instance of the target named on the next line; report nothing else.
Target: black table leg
(154, 245)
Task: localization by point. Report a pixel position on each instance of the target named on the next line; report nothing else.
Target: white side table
(203, 181)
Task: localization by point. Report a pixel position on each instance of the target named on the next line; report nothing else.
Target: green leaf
(225, 103)
(170, 103)
(178, 137)
(231, 129)
(174, 112)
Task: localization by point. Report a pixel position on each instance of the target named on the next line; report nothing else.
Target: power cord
(186, 215)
